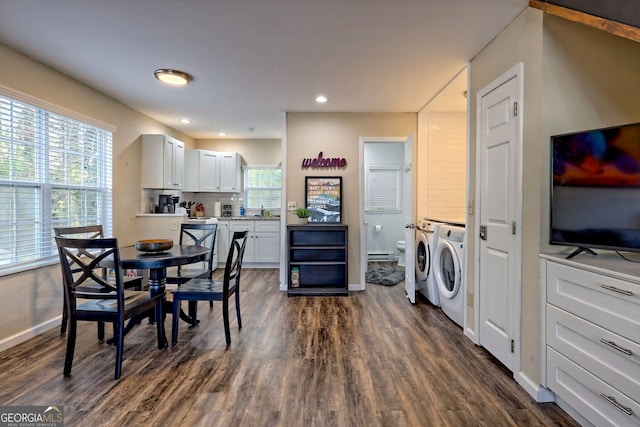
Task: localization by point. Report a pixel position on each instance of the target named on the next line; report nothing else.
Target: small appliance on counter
(167, 203)
(227, 211)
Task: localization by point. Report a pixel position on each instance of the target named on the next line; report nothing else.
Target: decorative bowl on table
(154, 245)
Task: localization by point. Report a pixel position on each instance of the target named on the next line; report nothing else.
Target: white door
(209, 171)
(407, 208)
(499, 237)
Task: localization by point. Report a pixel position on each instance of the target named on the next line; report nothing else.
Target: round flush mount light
(185, 121)
(173, 77)
(321, 99)
(222, 134)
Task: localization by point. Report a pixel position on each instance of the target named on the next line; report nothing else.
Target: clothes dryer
(449, 269)
(426, 241)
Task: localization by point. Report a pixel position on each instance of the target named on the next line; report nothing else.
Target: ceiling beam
(613, 27)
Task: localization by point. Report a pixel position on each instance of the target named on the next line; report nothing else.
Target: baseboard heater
(380, 256)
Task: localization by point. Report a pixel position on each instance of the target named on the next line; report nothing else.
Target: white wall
(446, 166)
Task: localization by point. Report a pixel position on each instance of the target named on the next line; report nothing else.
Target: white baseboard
(539, 393)
(29, 333)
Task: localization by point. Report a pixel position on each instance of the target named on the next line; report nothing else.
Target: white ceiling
(254, 59)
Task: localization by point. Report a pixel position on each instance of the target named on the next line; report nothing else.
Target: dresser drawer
(590, 396)
(611, 303)
(608, 356)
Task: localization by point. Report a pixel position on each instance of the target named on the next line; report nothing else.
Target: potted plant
(303, 215)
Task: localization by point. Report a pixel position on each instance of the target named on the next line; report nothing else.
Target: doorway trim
(363, 226)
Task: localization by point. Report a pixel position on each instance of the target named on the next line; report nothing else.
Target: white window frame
(44, 250)
(245, 171)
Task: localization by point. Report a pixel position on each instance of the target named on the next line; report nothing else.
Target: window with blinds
(383, 188)
(54, 171)
(262, 187)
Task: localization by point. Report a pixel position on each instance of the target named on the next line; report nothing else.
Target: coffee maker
(166, 203)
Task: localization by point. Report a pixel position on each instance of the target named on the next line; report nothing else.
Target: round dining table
(157, 263)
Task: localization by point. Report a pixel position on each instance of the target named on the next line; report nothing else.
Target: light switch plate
(292, 206)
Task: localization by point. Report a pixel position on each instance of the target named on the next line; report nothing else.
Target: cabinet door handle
(614, 289)
(615, 403)
(616, 347)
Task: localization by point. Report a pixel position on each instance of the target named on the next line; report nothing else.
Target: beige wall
(575, 78)
(338, 135)
(39, 290)
(520, 41)
(591, 81)
(259, 152)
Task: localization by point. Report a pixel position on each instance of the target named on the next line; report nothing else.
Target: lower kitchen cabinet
(317, 259)
(263, 242)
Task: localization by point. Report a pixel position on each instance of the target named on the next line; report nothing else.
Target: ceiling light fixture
(321, 99)
(222, 134)
(185, 121)
(173, 77)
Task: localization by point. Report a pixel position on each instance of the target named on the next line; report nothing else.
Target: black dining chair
(200, 235)
(90, 297)
(212, 290)
(91, 232)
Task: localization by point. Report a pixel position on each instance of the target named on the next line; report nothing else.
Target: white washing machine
(448, 266)
(426, 242)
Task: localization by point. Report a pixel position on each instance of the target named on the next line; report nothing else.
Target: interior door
(409, 231)
(499, 128)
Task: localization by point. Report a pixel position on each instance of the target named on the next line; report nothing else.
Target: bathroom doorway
(383, 213)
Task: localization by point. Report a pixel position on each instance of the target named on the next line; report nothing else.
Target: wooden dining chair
(91, 232)
(90, 297)
(212, 290)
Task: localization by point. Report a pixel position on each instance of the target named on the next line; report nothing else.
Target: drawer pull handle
(620, 291)
(615, 403)
(617, 347)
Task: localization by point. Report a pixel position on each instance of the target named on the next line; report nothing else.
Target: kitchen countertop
(235, 218)
(257, 218)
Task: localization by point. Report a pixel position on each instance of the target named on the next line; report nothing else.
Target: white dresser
(592, 316)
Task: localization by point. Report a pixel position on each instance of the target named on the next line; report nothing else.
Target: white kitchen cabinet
(592, 316)
(267, 241)
(162, 162)
(212, 171)
(230, 173)
(263, 241)
(202, 171)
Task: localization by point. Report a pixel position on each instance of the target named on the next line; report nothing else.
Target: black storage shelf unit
(317, 254)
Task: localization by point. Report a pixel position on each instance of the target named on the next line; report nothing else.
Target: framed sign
(323, 198)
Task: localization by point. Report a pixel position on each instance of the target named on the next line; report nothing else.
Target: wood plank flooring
(369, 359)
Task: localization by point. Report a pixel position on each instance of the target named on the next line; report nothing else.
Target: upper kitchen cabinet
(162, 162)
(230, 173)
(203, 171)
(212, 171)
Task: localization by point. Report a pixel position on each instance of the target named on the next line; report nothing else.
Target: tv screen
(595, 194)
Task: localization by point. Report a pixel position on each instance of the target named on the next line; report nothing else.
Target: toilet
(400, 246)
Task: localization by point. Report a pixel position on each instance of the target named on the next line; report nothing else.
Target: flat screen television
(595, 191)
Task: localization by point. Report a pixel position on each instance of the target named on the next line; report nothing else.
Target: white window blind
(262, 187)
(54, 171)
(383, 188)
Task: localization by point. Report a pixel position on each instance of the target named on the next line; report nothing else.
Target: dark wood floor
(369, 359)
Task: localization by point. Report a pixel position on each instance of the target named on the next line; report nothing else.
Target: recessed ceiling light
(321, 99)
(173, 77)
(185, 121)
(222, 134)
